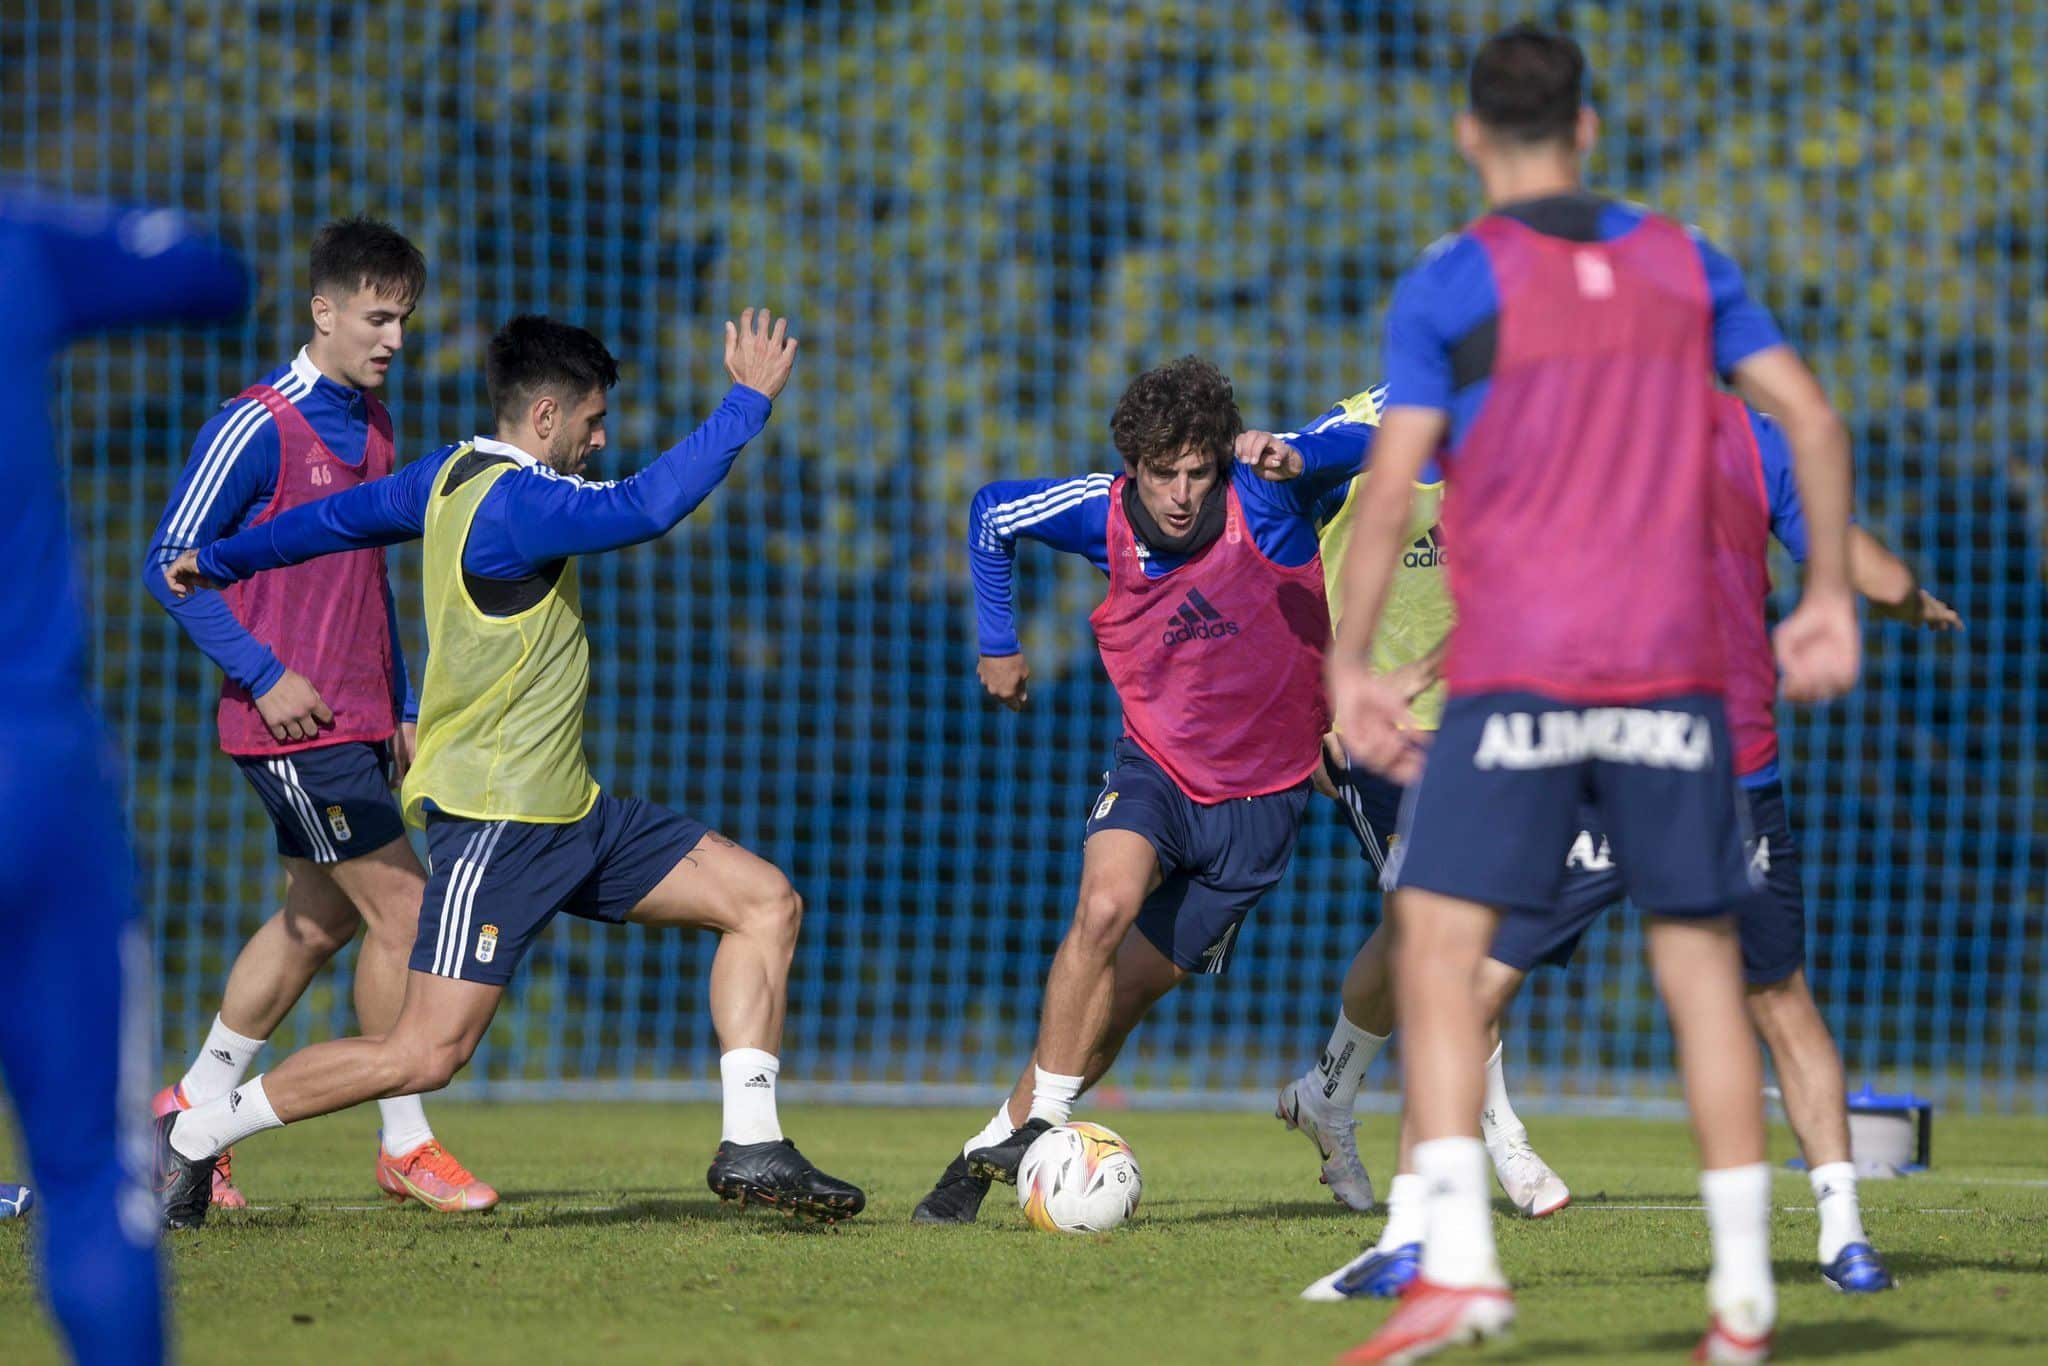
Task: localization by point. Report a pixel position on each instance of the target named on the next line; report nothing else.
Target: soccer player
(1558, 356)
(1212, 632)
(74, 1044)
(1756, 500)
(1320, 1103)
(518, 830)
(315, 707)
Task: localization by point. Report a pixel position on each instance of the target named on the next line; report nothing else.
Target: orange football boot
(431, 1175)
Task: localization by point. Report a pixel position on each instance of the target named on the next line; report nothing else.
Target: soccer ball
(1078, 1178)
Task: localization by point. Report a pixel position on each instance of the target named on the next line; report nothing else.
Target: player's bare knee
(318, 936)
(1100, 922)
(428, 1066)
(774, 912)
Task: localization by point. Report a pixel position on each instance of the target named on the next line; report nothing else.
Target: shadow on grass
(1860, 1336)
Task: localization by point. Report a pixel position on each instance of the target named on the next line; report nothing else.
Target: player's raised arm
(1322, 457)
(1069, 514)
(543, 520)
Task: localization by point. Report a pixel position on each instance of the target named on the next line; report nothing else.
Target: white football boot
(1531, 1185)
(1301, 1107)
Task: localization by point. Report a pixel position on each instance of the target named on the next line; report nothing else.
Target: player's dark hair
(534, 355)
(1527, 85)
(352, 254)
(1183, 403)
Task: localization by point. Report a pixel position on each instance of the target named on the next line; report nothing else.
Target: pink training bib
(326, 618)
(1219, 663)
(1579, 499)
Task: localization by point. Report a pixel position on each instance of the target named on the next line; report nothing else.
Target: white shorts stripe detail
(456, 874)
(309, 818)
(458, 947)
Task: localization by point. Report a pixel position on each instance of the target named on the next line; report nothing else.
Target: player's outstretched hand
(1820, 650)
(759, 351)
(1372, 716)
(1269, 457)
(1007, 678)
(1923, 609)
(293, 709)
(183, 575)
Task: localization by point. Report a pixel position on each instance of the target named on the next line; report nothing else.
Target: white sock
(1498, 1122)
(1841, 1211)
(748, 1077)
(220, 1065)
(210, 1129)
(1739, 1289)
(1342, 1066)
(402, 1125)
(1052, 1096)
(993, 1132)
(1457, 1242)
(1407, 1212)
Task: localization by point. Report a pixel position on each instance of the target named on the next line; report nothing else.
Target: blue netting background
(986, 215)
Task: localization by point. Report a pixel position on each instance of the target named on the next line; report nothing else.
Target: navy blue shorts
(329, 804)
(494, 885)
(1216, 861)
(1498, 807)
(1770, 922)
(1372, 808)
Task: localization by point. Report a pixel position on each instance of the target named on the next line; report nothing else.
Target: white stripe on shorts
(456, 872)
(464, 904)
(295, 793)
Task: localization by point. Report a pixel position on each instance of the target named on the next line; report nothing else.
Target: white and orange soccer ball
(1078, 1178)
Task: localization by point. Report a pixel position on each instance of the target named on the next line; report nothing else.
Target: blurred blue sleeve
(1418, 348)
(381, 512)
(112, 265)
(1781, 489)
(526, 523)
(232, 469)
(1742, 326)
(1069, 514)
(403, 690)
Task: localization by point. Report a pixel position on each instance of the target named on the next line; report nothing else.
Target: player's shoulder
(1453, 272)
(1453, 252)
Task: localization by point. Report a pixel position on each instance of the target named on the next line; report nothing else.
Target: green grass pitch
(608, 1246)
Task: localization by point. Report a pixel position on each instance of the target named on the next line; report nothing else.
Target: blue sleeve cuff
(265, 681)
(751, 401)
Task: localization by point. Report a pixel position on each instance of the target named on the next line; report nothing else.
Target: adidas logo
(1197, 620)
(1428, 552)
(234, 1101)
(223, 1055)
(759, 1079)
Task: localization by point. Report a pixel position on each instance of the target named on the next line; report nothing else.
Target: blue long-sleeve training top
(529, 519)
(228, 481)
(70, 267)
(1071, 514)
